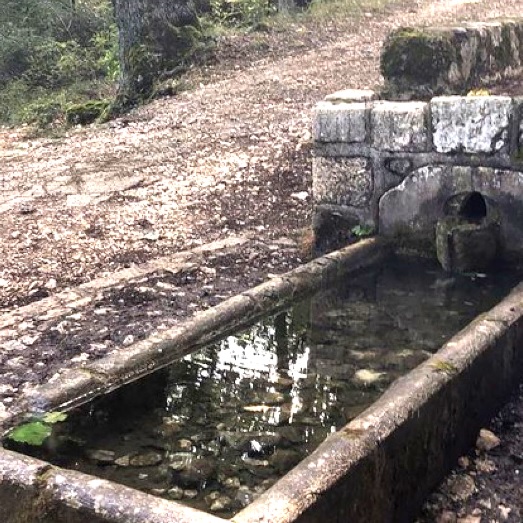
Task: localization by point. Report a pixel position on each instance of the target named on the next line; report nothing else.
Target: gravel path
(487, 485)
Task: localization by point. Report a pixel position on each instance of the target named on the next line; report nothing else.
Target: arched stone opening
(474, 207)
(471, 206)
(412, 209)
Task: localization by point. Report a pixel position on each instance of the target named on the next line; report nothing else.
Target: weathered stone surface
(466, 247)
(339, 122)
(32, 490)
(399, 126)
(487, 440)
(342, 181)
(517, 152)
(195, 472)
(351, 96)
(422, 62)
(399, 166)
(414, 206)
(147, 458)
(61, 389)
(472, 124)
(98, 500)
(485, 466)
(220, 504)
(461, 487)
(101, 456)
(504, 190)
(175, 493)
(367, 377)
(467, 42)
(416, 59)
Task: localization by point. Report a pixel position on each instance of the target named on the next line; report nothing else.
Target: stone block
(511, 32)
(339, 122)
(503, 190)
(351, 96)
(518, 29)
(465, 246)
(423, 62)
(518, 142)
(414, 206)
(342, 181)
(501, 45)
(472, 124)
(399, 126)
(414, 61)
(20, 488)
(481, 65)
(468, 45)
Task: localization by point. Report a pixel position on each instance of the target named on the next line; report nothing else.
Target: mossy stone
(503, 51)
(466, 247)
(85, 113)
(416, 56)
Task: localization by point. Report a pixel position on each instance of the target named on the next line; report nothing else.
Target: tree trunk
(154, 36)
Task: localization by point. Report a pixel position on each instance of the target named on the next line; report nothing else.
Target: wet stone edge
(32, 490)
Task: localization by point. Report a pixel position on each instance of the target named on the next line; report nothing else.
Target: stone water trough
(379, 467)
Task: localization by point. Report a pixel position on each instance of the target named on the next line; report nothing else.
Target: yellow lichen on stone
(444, 366)
(479, 92)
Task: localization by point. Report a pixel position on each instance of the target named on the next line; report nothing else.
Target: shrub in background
(54, 53)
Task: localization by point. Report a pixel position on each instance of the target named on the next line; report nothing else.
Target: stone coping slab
(423, 61)
(378, 468)
(33, 491)
(81, 384)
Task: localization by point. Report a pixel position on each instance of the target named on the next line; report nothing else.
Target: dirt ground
(487, 486)
(230, 156)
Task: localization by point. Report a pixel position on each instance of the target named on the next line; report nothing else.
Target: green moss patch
(415, 55)
(86, 113)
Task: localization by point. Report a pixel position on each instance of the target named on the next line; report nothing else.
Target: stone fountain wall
(395, 165)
